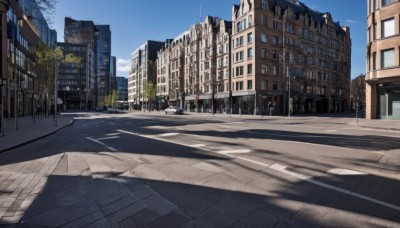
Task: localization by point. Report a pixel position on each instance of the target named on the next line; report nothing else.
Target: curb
(376, 128)
(37, 138)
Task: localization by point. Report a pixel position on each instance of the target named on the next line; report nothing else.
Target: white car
(173, 110)
(112, 110)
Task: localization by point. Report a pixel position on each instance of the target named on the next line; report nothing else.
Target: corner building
(282, 45)
(383, 60)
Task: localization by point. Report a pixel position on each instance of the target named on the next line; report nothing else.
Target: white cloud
(352, 21)
(123, 65)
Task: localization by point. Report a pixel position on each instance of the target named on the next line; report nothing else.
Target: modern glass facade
(103, 59)
(389, 101)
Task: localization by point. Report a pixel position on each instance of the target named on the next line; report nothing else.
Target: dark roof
(302, 9)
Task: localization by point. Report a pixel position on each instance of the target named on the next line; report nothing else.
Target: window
(264, 69)
(239, 56)
(239, 86)
(275, 86)
(239, 71)
(264, 53)
(250, 53)
(369, 35)
(275, 40)
(264, 20)
(264, 4)
(239, 41)
(376, 4)
(263, 37)
(374, 61)
(388, 27)
(276, 70)
(264, 85)
(274, 55)
(276, 25)
(249, 37)
(250, 20)
(387, 2)
(250, 69)
(249, 84)
(375, 28)
(387, 58)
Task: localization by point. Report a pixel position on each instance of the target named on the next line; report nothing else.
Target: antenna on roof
(200, 18)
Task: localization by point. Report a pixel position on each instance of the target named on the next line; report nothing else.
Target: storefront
(389, 101)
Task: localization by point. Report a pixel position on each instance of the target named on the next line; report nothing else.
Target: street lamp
(289, 99)
(2, 82)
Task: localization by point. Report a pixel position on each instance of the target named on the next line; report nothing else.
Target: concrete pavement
(30, 130)
(118, 179)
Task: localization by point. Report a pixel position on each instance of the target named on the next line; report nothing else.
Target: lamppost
(2, 82)
(357, 109)
(289, 99)
(340, 100)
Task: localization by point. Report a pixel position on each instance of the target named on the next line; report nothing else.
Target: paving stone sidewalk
(30, 130)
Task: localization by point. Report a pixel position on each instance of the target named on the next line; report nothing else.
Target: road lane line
(282, 169)
(345, 172)
(97, 141)
(168, 134)
(112, 148)
(106, 138)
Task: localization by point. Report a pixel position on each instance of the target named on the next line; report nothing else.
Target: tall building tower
(103, 55)
(287, 57)
(143, 70)
(383, 60)
(77, 82)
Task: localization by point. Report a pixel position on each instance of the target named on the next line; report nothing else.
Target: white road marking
(198, 145)
(97, 141)
(168, 134)
(238, 151)
(112, 148)
(111, 137)
(282, 169)
(345, 172)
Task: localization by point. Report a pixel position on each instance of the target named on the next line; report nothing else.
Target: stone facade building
(192, 68)
(163, 74)
(176, 70)
(281, 46)
(223, 97)
(383, 60)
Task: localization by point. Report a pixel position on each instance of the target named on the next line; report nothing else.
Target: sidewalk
(29, 131)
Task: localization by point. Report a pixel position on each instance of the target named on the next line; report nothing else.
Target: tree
(45, 72)
(149, 92)
(111, 100)
(45, 58)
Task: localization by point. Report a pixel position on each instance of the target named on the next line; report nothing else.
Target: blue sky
(135, 21)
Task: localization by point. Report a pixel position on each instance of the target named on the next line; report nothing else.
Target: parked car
(99, 109)
(173, 110)
(112, 110)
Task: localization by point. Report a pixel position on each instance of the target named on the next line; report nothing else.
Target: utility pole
(288, 75)
(55, 89)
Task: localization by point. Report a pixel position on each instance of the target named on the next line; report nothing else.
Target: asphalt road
(139, 170)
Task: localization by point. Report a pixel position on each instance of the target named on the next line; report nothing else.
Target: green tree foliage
(149, 92)
(45, 67)
(111, 100)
